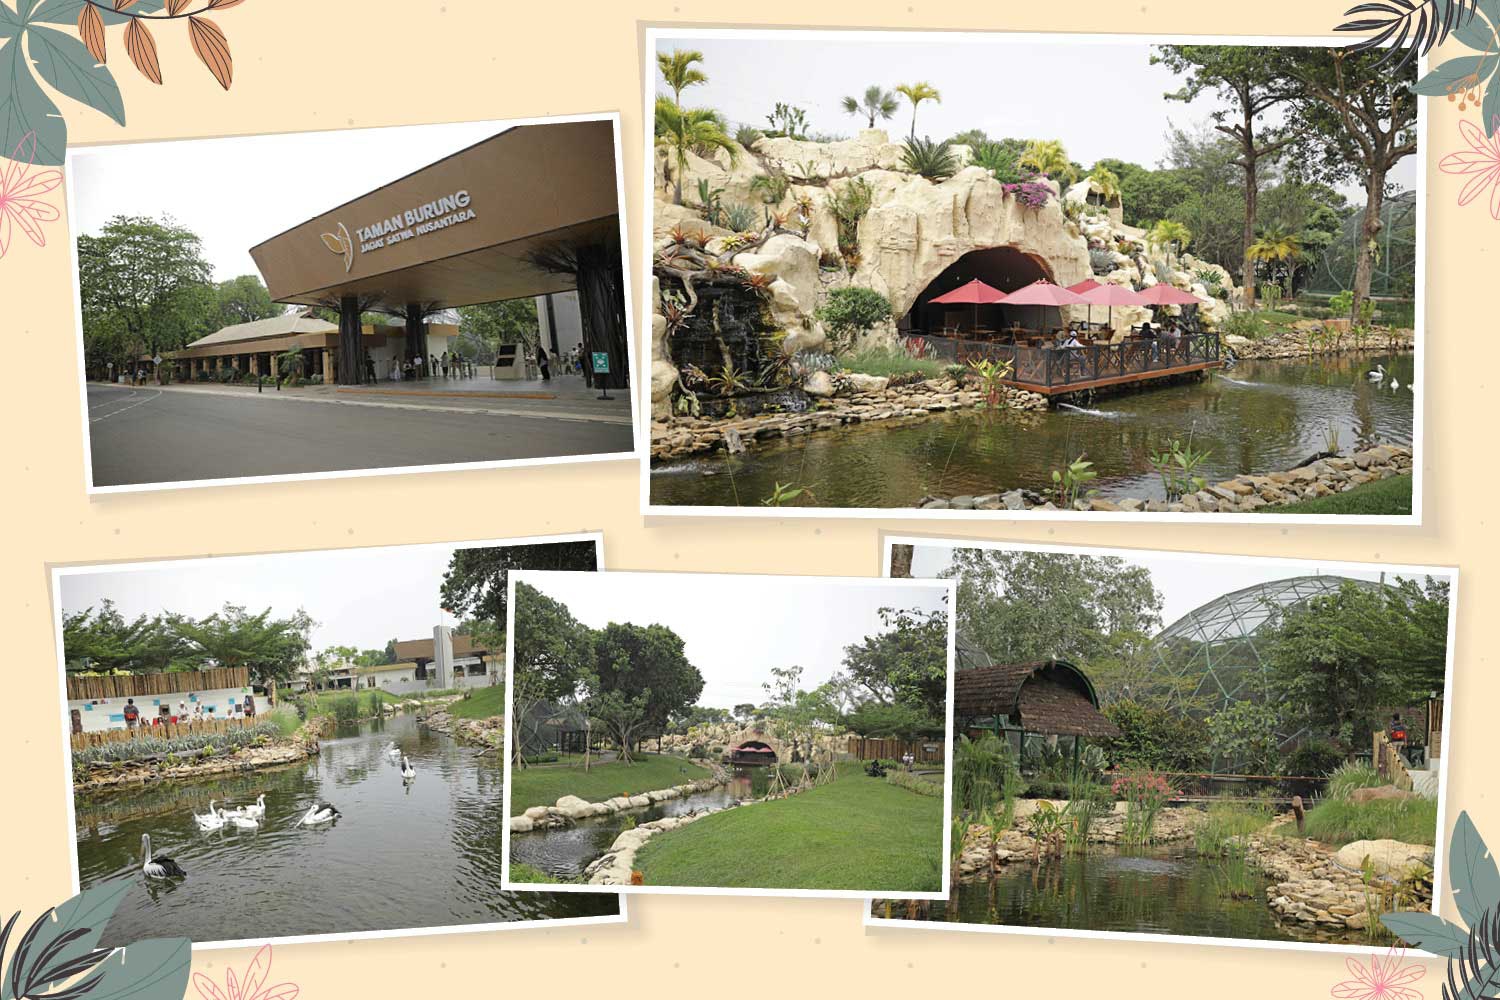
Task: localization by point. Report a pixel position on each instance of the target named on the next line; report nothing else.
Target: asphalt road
(151, 435)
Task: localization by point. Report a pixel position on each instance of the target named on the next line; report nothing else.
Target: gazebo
(1047, 698)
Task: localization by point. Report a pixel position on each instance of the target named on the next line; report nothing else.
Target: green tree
(1020, 606)
(1171, 235)
(907, 663)
(1152, 736)
(1360, 122)
(1047, 156)
(1243, 738)
(244, 300)
(1279, 251)
(876, 719)
(475, 581)
(678, 69)
(690, 130)
(144, 287)
(270, 648)
(744, 711)
(1252, 85)
(103, 641)
(549, 654)
(645, 664)
(876, 103)
(491, 324)
(916, 93)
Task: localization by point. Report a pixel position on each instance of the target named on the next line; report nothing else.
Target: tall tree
(1360, 119)
(690, 130)
(916, 93)
(244, 300)
(645, 663)
(474, 585)
(144, 286)
(102, 640)
(270, 648)
(488, 326)
(906, 664)
(549, 652)
(678, 70)
(1049, 157)
(876, 103)
(1245, 78)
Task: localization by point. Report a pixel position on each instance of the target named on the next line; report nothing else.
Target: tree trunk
(901, 556)
(416, 333)
(601, 301)
(351, 365)
(1369, 232)
(1252, 198)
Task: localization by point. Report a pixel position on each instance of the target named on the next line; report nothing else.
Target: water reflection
(1259, 417)
(418, 854)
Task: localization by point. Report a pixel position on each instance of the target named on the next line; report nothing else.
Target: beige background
(314, 64)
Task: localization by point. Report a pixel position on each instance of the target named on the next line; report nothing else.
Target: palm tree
(916, 93)
(677, 69)
(1047, 156)
(690, 130)
(1278, 249)
(1170, 234)
(1105, 183)
(876, 102)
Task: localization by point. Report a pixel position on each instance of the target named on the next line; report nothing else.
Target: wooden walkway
(1109, 380)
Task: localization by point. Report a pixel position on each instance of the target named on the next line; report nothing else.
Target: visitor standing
(132, 714)
(249, 706)
(541, 362)
(444, 362)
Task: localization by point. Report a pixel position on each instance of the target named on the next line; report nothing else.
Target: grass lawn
(886, 362)
(482, 703)
(857, 833)
(1339, 821)
(526, 873)
(1384, 496)
(544, 785)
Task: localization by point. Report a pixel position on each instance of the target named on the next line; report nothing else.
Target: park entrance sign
(471, 228)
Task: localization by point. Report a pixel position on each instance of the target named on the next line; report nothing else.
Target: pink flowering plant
(1145, 794)
(1032, 193)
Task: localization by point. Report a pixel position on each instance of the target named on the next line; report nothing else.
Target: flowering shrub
(1145, 793)
(1032, 194)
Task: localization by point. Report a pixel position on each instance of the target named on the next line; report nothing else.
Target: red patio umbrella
(1044, 293)
(1164, 294)
(975, 292)
(1086, 285)
(1111, 296)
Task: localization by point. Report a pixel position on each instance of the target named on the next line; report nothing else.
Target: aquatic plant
(992, 376)
(1145, 794)
(979, 767)
(1068, 483)
(783, 494)
(1177, 466)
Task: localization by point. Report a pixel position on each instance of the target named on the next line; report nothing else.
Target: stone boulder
(573, 807)
(1380, 792)
(793, 263)
(819, 384)
(1387, 857)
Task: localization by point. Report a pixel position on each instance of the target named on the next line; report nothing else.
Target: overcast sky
(1185, 582)
(358, 597)
(235, 193)
(736, 628)
(1102, 98)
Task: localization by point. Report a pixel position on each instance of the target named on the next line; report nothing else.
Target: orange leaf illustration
(122, 4)
(141, 48)
(175, 7)
(91, 30)
(222, 4)
(213, 48)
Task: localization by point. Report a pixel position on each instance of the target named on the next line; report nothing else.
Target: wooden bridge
(1054, 371)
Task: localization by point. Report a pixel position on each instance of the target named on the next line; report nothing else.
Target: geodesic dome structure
(1212, 656)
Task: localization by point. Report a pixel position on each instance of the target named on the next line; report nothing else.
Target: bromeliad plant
(1145, 794)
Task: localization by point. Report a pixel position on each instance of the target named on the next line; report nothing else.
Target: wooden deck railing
(1058, 367)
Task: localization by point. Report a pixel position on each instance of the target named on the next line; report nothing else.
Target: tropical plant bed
(855, 833)
(543, 786)
(168, 766)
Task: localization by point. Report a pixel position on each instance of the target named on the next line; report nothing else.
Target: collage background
(340, 64)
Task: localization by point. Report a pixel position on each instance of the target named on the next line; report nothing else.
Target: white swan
(243, 822)
(1395, 385)
(211, 820)
(256, 810)
(318, 812)
(392, 750)
(158, 867)
(407, 771)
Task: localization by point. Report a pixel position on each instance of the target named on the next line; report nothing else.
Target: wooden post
(1298, 812)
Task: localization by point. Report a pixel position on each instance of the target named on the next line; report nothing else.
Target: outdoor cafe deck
(1054, 371)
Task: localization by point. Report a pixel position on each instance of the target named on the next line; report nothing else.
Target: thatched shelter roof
(1047, 697)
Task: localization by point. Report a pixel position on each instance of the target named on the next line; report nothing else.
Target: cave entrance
(752, 752)
(1005, 268)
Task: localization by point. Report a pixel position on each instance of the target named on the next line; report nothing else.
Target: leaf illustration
(223, 4)
(68, 65)
(1474, 973)
(1426, 23)
(91, 30)
(68, 11)
(1456, 75)
(213, 48)
(281, 991)
(260, 967)
(124, 4)
(64, 939)
(175, 7)
(153, 969)
(1427, 931)
(1472, 873)
(141, 47)
(25, 108)
(333, 243)
(207, 988)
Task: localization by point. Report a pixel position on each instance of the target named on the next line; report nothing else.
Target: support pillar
(551, 323)
(416, 333)
(275, 367)
(328, 367)
(348, 369)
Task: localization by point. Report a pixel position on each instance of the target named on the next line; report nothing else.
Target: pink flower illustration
(1385, 978)
(21, 189)
(1483, 162)
(250, 986)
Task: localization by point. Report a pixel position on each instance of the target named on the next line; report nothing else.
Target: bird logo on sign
(341, 244)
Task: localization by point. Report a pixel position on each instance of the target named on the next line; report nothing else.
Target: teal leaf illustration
(1471, 872)
(1445, 79)
(1477, 33)
(25, 108)
(1489, 111)
(153, 969)
(66, 63)
(66, 11)
(62, 942)
(1474, 973)
(10, 22)
(1427, 931)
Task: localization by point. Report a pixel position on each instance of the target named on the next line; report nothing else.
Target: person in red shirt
(132, 714)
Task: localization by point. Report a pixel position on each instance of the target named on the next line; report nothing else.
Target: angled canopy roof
(1050, 697)
(456, 232)
(277, 326)
(422, 649)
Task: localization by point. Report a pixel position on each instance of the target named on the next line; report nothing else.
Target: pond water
(564, 852)
(424, 854)
(1260, 416)
(1163, 890)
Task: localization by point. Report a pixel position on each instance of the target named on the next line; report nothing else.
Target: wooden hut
(1046, 698)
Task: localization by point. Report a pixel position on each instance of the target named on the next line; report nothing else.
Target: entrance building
(532, 211)
(259, 348)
